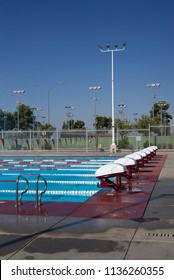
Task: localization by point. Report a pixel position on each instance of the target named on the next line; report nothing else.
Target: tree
(159, 113)
(143, 122)
(103, 122)
(6, 120)
(71, 124)
(25, 117)
(68, 125)
(79, 125)
(46, 127)
(65, 125)
(122, 124)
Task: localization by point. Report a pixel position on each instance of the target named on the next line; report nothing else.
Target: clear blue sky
(44, 42)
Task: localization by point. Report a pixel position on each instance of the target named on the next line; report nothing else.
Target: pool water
(68, 180)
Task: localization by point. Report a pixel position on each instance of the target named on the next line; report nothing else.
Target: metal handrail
(19, 200)
(38, 199)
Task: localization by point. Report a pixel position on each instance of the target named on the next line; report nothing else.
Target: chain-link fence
(87, 140)
(162, 136)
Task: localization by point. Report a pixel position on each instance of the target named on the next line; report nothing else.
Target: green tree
(143, 122)
(65, 125)
(122, 124)
(46, 127)
(79, 125)
(159, 113)
(71, 124)
(68, 125)
(26, 117)
(103, 122)
(6, 120)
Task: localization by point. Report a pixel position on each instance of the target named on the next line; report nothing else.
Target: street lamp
(95, 98)
(122, 106)
(69, 114)
(115, 49)
(153, 86)
(18, 92)
(53, 86)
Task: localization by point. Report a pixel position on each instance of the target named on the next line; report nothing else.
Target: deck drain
(160, 234)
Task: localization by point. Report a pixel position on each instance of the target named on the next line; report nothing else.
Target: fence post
(86, 139)
(57, 135)
(2, 140)
(117, 139)
(149, 134)
(30, 140)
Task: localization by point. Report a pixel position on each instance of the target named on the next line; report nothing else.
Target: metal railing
(39, 195)
(19, 200)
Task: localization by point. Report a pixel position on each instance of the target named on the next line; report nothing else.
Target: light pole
(43, 119)
(69, 114)
(51, 88)
(116, 49)
(153, 86)
(136, 117)
(161, 104)
(37, 110)
(18, 92)
(122, 106)
(4, 111)
(95, 98)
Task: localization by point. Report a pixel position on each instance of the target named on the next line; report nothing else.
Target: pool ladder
(38, 198)
(38, 195)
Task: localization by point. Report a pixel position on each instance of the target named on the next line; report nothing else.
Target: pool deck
(130, 225)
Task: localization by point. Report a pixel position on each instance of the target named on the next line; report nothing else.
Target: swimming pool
(68, 179)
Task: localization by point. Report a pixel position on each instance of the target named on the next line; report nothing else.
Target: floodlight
(115, 49)
(153, 85)
(19, 91)
(95, 88)
(122, 105)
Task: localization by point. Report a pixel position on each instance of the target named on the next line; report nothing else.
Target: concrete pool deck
(105, 227)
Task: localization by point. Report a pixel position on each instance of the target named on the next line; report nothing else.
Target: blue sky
(45, 42)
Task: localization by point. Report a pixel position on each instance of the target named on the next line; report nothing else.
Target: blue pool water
(68, 179)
